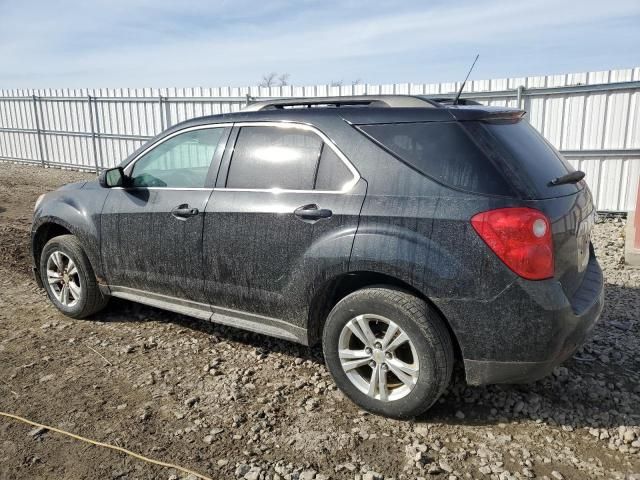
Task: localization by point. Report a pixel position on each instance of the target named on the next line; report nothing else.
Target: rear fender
(399, 252)
(326, 259)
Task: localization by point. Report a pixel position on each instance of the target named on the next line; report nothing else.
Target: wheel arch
(45, 232)
(334, 290)
(50, 227)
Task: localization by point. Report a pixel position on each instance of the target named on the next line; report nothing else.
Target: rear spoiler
(486, 114)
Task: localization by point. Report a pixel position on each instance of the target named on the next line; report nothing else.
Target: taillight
(521, 237)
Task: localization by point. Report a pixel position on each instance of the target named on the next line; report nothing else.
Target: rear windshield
(443, 151)
(523, 147)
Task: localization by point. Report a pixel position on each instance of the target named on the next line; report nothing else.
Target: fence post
(167, 113)
(95, 127)
(163, 120)
(93, 134)
(36, 116)
(520, 92)
(519, 96)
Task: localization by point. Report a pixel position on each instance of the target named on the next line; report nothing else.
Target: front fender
(77, 211)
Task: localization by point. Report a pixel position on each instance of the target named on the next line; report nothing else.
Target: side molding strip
(224, 316)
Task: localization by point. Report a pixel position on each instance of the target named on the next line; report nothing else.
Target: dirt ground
(230, 404)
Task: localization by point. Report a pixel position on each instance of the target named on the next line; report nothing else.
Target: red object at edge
(637, 220)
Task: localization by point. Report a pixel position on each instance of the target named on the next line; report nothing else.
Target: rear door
(151, 231)
(283, 217)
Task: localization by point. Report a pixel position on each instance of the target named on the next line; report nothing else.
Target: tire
(83, 295)
(429, 348)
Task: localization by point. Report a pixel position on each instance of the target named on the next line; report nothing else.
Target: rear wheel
(69, 279)
(388, 351)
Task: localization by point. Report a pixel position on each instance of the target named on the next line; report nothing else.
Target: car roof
(371, 109)
(365, 109)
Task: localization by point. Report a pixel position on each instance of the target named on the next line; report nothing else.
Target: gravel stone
(253, 473)
(307, 475)
(242, 470)
(372, 476)
(268, 408)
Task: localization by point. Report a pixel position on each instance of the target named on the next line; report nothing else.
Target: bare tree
(340, 83)
(283, 79)
(274, 79)
(268, 79)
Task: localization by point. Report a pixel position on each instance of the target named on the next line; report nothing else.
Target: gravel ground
(230, 404)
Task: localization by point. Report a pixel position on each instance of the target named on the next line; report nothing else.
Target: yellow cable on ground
(106, 445)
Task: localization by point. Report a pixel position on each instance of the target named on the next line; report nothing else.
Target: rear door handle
(184, 211)
(312, 212)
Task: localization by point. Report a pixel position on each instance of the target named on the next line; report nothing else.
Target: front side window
(274, 158)
(181, 162)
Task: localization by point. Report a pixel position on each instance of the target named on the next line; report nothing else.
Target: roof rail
(392, 101)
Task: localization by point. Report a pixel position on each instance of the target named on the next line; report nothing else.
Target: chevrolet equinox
(400, 232)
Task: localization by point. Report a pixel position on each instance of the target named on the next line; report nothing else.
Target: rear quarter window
(443, 151)
(531, 155)
(333, 174)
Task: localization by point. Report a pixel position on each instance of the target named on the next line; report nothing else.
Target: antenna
(457, 99)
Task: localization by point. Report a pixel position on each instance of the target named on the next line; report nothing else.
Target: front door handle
(312, 212)
(184, 211)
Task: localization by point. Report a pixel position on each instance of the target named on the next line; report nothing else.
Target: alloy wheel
(378, 357)
(63, 278)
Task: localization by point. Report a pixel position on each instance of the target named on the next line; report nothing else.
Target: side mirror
(112, 177)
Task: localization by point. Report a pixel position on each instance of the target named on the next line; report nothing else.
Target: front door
(284, 213)
(151, 230)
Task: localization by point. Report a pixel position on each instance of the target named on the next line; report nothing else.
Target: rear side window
(271, 157)
(333, 174)
(442, 151)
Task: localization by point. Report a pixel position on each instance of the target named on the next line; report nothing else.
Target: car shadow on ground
(123, 311)
(597, 388)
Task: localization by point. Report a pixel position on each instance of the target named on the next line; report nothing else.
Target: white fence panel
(593, 118)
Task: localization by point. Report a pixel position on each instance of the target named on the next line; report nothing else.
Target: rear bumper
(575, 331)
(535, 328)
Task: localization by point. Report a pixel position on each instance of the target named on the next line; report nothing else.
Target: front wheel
(388, 351)
(69, 279)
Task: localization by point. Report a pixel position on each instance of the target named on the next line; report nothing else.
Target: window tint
(443, 151)
(533, 156)
(273, 157)
(333, 174)
(180, 162)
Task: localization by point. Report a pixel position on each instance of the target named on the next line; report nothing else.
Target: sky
(163, 43)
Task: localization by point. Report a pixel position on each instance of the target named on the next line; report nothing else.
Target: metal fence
(593, 118)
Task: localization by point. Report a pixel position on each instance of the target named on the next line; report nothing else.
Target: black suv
(400, 232)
